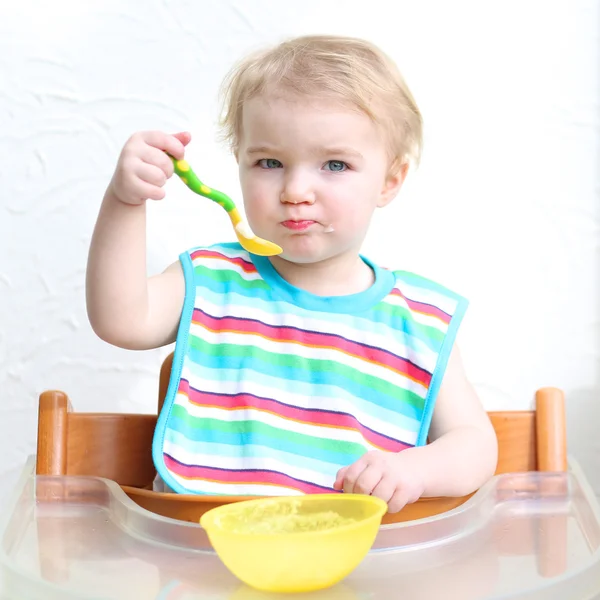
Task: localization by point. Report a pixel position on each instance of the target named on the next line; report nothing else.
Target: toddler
(316, 370)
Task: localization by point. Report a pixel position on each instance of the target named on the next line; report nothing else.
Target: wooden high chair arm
(551, 430)
(52, 433)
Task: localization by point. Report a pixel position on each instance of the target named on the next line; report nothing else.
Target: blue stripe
(249, 438)
(234, 249)
(230, 284)
(287, 378)
(438, 374)
(256, 451)
(178, 358)
(343, 400)
(326, 321)
(417, 281)
(351, 303)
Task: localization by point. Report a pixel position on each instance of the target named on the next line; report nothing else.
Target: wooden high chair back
(119, 447)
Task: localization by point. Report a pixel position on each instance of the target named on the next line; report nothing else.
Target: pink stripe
(247, 266)
(315, 340)
(424, 308)
(245, 477)
(293, 413)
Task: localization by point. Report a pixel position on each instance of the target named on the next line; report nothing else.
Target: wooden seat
(119, 447)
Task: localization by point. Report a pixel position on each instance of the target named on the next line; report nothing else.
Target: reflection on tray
(82, 537)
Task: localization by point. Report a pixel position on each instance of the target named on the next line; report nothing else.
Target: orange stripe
(299, 343)
(409, 301)
(245, 266)
(270, 412)
(189, 478)
(273, 485)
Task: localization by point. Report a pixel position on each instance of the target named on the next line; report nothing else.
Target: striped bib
(274, 389)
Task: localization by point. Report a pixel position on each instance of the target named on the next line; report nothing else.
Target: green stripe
(429, 332)
(307, 364)
(220, 275)
(423, 282)
(275, 433)
(432, 336)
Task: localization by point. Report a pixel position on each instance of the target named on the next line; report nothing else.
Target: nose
(297, 189)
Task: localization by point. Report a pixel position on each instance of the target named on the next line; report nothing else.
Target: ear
(393, 182)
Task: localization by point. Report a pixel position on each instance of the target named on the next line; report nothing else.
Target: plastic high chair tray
(528, 535)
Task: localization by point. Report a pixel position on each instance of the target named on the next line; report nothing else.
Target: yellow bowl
(297, 543)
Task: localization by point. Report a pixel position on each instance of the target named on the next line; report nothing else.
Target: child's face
(312, 173)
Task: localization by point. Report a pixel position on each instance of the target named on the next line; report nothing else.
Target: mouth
(301, 225)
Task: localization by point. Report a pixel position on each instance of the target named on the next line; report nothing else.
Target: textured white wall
(505, 207)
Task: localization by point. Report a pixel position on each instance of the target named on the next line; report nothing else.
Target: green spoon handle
(187, 175)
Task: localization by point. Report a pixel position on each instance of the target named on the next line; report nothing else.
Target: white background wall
(505, 207)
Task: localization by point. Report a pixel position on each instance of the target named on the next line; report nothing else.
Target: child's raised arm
(127, 308)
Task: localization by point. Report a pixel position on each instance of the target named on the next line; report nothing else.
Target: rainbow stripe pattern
(274, 389)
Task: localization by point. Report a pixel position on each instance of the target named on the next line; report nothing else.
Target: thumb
(185, 137)
(339, 479)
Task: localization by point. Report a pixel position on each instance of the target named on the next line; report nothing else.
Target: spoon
(245, 235)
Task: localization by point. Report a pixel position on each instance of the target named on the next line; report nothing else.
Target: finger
(352, 475)
(164, 141)
(385, 489)
(368, 480)
(150, 174)
(398, 501)
(147, 191)
(158, 158)
(339, 478)
(185, 137)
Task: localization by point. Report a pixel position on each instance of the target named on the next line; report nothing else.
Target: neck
(337, 276)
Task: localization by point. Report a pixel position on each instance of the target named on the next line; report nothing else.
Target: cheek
(257, 199)
(252, 189)
(351, 211)
(257, 184)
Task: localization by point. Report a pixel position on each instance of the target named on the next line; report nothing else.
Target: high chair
(538, 518)
(118, 447)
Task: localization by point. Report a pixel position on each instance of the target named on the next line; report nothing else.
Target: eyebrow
(341, 150)
(259, 150)
(337, 150)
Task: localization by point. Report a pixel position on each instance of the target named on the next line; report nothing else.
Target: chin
(306, 249)
(305, 256)
(295, 256)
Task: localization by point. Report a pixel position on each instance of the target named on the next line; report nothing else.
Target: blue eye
(270, 163)
(336, 166)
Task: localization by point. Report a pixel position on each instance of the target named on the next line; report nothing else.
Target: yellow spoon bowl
(244, 234)
(294, 544)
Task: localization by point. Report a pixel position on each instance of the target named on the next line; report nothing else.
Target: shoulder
(425, 286)
(218, 256)
(223, 249)
(423, 293)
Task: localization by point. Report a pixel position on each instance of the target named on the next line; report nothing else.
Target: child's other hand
(393, 477)
(143, 167)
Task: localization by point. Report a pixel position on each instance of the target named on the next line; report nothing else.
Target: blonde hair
(346, 68)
